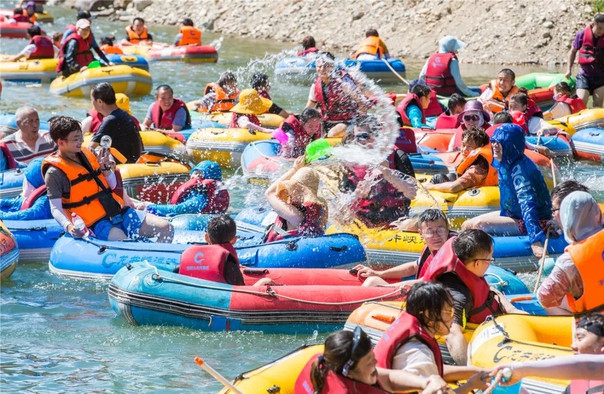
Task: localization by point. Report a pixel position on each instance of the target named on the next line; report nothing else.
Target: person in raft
(294, 197)
(108, 48)
(188, 34)
(219, 96)
(371, 48)
(577, 280)
(203, 193)
(80, 183)
(590, 45)
(411, 109)
(136, 33)
(296, 132)
(77, 53)
(499, 91)
(28, 142)
(527, 114)
(246, 112)
(460, 265)
(217, 261)
(433, 228)
(93, 120)
(474, 171)
(39, 47)
(526, 207)
(441, 71)
(448, 119)
(472, 116)
(167, 112)
(261, 83)
(566, 103)
(309, 46)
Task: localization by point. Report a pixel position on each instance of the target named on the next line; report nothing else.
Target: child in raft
(261, 83)
(566, 103)
(296, 132)
(449, 119)
(411, 109)
(245, 113)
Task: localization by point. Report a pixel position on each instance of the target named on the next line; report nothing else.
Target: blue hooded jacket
(523, 193)
(10, 208)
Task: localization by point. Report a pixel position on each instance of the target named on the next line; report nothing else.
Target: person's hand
(537, 249)
(479, 380)
(365, 272)
(265, 282)
(299, 162)
(111, 64)
(436, 385)
(499, 372)
(106, 160)
(83, 68)
(568, 74)
(74, 232)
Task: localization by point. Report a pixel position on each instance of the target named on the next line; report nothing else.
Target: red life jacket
(307, 51)
(235, 117)
(410, 98)
(301, 138)
(588, 53)
(404, 328)
(445, 121)
(163, 120)
(45, 49)
(426, 257)
(438, 73)
(218, 198)
(434, 108)
(206, 261)
(406, 140)
(575, 103)
(311, 225)
(20, 18)
(586, 387)
(83, 56)
(336, 106)
(334, 383)
(10, 160)
(522, 118)
(446, 261)
(96, 121)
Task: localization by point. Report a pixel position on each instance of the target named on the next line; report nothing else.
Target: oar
(216, 375)
(541, 263)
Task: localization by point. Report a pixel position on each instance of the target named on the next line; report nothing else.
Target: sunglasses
(356, 339)
(471, 117)
(362, 136)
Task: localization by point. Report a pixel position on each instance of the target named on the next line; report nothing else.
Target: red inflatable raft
(189, 54)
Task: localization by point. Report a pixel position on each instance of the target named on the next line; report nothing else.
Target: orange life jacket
(110, 49)
(498, 96)
(190, 36)
(486, 152)
(372, 45)
(90, 196)
(223, 102)
(588, 256)
(136, 38)
(206, 261)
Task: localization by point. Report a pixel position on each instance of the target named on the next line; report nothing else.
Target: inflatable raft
(588, 118)
(123, 79)
(155, 182)
(31, 71)
(137, 61)
(144, 295)
(161, 143)
(223, 119)
(378, 70)
(543, 80)
(11, 182)
(188, 54)
(102, 259)
(589, 144)
(35, 238)
(9, 252)
(14, 29)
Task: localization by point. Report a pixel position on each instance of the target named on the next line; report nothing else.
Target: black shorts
(590, 83)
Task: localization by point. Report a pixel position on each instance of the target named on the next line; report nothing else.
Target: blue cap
(209, 170)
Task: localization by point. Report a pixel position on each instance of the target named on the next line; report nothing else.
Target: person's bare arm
(572, 53)
(457, 344)
(400, 271)
(405, 185)
(146, 125)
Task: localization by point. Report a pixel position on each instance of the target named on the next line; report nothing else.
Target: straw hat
(250, 102)
(303, 186)
(123, 102)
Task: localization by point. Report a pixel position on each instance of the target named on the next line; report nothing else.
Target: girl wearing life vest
(499, 91)
(411, 109)
(246, 112)
(530, 116)
(188, 34)
(578, 277)
(472, 116)
(566, 103)
(371, 48)
(309, 46)
(448, 119)
(219, 96)
(299, 132)
(203, 193)
(475, 170)
(137, 33)
(261, 83)
(39, 47)
(294, 197)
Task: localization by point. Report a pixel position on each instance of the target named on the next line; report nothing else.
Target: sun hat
(304, 184)
(250, 102)
(123, 102)
(450, 44)
(474, 106)
(82, 24)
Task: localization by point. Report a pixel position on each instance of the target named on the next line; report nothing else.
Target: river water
(60, 335)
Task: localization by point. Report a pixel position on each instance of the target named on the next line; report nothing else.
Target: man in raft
(219, 96)
(78, 182)
(188, 34)
(137, 33)
(499, 91)
(371, 48)
(39, 47)
(77, 52)
(167, 112)
(28, 142)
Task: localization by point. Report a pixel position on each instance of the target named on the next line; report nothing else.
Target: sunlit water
(61, 335)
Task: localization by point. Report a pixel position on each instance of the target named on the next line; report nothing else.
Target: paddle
(216, 375)
(542, 261)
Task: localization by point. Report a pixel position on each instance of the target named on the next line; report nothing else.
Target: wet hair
(520, 98)
(421, 90)
(227, 77)
(337, 353)
(426, 300)
(563, 189)
(221, 229)
(470, 243)
(502, 117)
(599, 18)
(187, 22)
(164, 87)
(563, 87)
(18, 11)
(371, 33)
(138, 18)
(594, 323)
(431, 215)
(83, 14)
(308, 114)
(476, 135)
(105, 92)
(308, 42)
(259, 80)
(107, 41)
(509, 72)
(456, 100)
(62, 126)
(34, 30)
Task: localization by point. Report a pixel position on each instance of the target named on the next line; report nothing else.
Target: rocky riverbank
(510, 32)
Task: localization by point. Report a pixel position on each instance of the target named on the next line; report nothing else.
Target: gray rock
(140, 5)
(358, 16)
(548, 24)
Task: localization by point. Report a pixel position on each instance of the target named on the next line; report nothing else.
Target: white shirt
(415, 357)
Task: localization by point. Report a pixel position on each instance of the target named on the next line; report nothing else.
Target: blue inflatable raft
(11, 182)
(589, 144)
(137, 61)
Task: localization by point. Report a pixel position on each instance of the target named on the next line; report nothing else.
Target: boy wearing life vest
(39, 47)
(188, 34)
(167, 112)
(448, 119)
(219, 96)
(590, 45)
(76, 51)
(460, 265)
(80, 183)
(371, 48)
(137, 33)
(475, 169)
(566, 103)
(499, 91)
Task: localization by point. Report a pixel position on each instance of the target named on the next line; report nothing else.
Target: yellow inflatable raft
(44, 17)
(158, 142)
(266, 120)
(9, 252)
(223, 146)
(153, 181)
(124, 79)
(32, 71)
(581, 120)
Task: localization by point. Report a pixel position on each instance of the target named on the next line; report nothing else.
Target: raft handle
(343, 248)
(249, 271)
(102, 249)
(273, 390)
(291, 246)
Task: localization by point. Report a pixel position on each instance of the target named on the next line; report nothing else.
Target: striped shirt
(22, 153)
